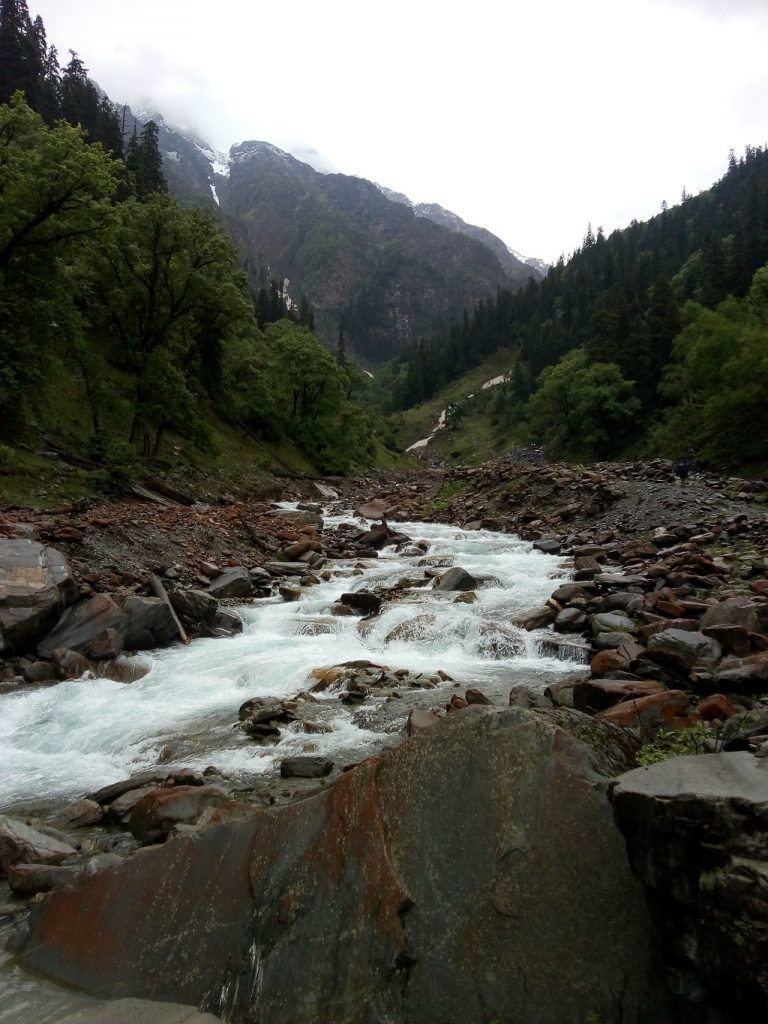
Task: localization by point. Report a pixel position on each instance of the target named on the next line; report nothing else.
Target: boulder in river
(539, 618)
(234, 582)
(194, 606)
(472, 873)
(456, 579)
(376, 508)
(361, 601)
(570, 620)
(548, 545)
(305, 767)
(142, 622)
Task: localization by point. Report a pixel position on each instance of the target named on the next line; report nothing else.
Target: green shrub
(676, 743)
(121, 465)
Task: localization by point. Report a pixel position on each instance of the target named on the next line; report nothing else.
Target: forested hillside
(128, 308)
(657, 333)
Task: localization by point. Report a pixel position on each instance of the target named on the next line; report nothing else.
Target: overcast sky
(531, 119)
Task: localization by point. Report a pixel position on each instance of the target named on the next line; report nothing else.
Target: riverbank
(648, 617)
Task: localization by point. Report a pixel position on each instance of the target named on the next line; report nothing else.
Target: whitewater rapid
(59, 742)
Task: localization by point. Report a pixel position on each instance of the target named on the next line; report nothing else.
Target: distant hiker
(682, 471)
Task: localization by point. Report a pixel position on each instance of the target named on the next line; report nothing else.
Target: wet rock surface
(369, 869)
(697, 835)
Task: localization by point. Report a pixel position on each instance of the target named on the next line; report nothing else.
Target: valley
(383, 614)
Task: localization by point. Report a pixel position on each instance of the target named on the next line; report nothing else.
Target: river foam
(61, 741)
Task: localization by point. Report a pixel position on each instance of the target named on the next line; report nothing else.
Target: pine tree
(80, 98)
(21, 64)
(144, 162)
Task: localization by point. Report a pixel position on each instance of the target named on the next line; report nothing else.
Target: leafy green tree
(583, 408)
(163, 283)
(717, 382)
(311, 391)
(309, 376)
(55, 199)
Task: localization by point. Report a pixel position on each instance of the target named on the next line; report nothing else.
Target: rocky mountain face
(363, 261)
(518, 267)
(369, 261)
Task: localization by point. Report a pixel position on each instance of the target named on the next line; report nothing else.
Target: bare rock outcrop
(697, 833)
(36, 584)
(472, 873)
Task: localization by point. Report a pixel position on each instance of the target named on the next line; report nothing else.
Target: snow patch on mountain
(532, 261)
(394, 197)
(247, 150)
(218, 161)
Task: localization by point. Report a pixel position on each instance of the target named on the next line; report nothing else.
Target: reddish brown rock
(473, 696)
(456, 703)
(105, 647)
(300, 548)
(606, 662)
(69, 664)
(658, 709)
(716, 707)
(246, 916)
(672, 609)
(593, 695)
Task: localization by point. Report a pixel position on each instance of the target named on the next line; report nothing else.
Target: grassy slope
(476, 438)
(31, 475)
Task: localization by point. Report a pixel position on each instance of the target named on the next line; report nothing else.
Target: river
(59, 742)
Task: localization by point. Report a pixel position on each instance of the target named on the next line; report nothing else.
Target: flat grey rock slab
(139, 1011)
(712, 777)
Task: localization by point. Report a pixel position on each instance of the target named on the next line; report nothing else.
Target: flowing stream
(59, 742)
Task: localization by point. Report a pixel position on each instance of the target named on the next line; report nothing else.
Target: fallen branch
(159, 590)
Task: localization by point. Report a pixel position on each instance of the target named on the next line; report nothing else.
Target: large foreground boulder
(697, 833)
(139, 1011)
(36, 584)
(473, 873)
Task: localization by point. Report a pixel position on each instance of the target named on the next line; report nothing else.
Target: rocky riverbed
(613, 610)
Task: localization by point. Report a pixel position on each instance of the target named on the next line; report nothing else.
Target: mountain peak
(254, 148)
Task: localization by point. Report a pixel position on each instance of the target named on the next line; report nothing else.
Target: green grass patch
(413, 424)
(442, 501)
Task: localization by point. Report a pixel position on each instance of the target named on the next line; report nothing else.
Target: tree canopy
(55, 199)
